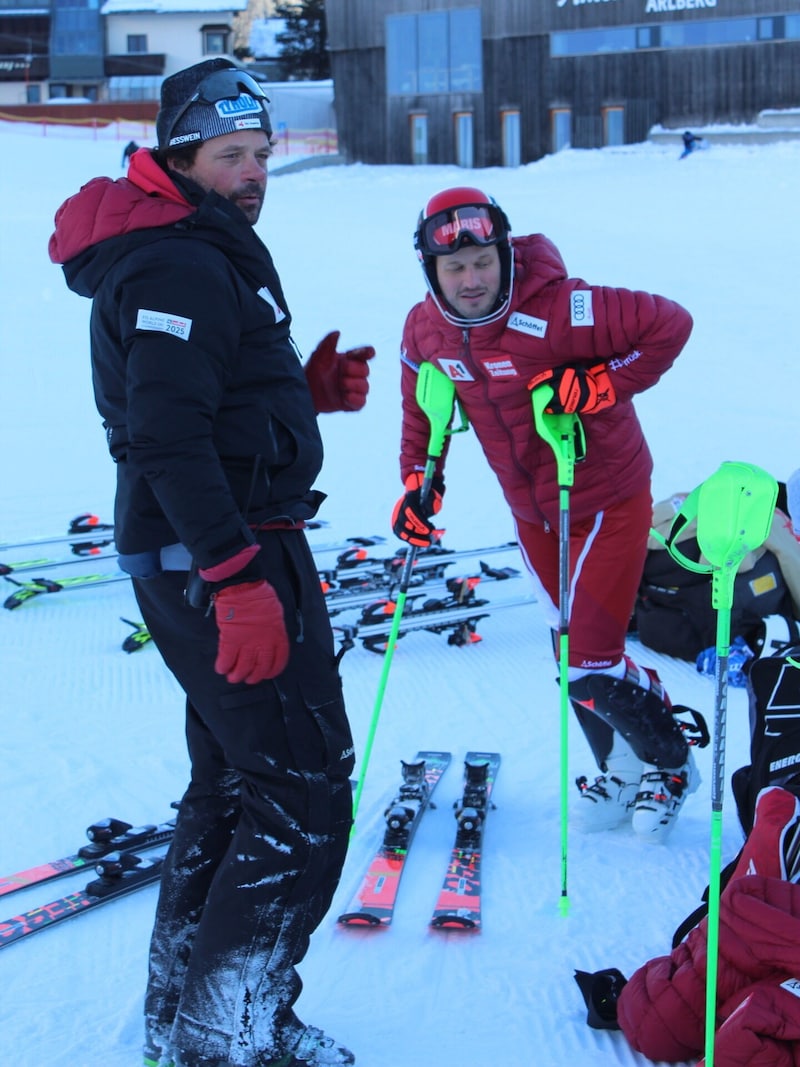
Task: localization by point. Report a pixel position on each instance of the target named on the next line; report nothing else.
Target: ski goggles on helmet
(444, 232)
(231, 91)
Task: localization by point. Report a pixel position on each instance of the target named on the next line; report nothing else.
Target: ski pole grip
(562, 432)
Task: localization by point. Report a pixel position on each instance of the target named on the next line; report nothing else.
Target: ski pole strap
(563, 432)
(733, 511)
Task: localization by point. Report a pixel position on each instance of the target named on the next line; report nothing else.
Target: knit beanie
(206, 101)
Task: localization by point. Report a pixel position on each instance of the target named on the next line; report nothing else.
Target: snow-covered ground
(89, 731)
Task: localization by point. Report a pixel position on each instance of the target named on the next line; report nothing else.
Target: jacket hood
(147, 198)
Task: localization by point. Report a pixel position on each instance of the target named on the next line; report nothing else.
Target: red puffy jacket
(553, 320)
(662, 1008)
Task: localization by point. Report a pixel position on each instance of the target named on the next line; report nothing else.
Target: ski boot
(608, 800)
(637, 707)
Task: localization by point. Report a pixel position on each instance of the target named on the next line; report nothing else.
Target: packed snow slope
(91, 732)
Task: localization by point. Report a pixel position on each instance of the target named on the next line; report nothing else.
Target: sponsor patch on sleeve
(163, 322)
(581, 312)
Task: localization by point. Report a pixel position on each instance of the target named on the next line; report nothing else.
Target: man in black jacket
(211, 420)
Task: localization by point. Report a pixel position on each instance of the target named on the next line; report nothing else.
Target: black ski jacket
(201, 390)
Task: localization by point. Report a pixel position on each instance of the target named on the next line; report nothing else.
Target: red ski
(373, 904)
(459, 903)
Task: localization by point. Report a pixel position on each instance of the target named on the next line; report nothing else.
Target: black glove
(577, 390)
(410, 519)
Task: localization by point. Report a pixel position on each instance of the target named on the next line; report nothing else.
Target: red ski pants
(606, 558)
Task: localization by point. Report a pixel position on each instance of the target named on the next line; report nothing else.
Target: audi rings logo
(580, 307)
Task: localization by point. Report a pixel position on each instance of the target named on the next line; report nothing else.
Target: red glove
(577, 390)
(253, 643)
(338, 380)
(410, 518)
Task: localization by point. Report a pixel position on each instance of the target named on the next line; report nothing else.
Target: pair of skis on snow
(118, 853)
(114, 852)
(458, 905)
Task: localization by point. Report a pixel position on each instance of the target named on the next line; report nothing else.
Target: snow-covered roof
(170, 7)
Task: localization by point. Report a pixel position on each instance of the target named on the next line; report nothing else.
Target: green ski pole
(435, 394)
(733, 509)
(564, 434)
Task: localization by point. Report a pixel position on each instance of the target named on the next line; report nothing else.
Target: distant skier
(690, 142)
(127, 152)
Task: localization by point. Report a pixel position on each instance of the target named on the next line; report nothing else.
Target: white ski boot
(608, 801)
(660, 798)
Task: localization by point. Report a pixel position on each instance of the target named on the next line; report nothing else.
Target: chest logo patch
(581, 312)
(500, 368)
(527, 324)
(163, 322)
(455, 370)
(266, 295)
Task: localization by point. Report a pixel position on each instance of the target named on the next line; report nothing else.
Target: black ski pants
(262, 829)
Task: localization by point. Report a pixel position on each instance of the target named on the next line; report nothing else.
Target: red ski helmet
(452, 218)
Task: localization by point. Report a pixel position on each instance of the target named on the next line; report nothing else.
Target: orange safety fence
(287, 141)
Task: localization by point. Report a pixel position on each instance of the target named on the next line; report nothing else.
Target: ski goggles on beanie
(225, 101)
(444, 232)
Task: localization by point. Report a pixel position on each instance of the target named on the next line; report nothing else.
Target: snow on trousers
(262, 829)
(606, 558)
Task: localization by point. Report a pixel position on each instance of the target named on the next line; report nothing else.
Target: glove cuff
(415, 479)
(230, 567)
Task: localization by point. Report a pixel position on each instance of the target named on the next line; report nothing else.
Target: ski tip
(563, 906)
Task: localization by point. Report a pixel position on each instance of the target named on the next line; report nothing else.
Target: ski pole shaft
(564, 434)
(733, 509)
(715, 847)
(435, 394)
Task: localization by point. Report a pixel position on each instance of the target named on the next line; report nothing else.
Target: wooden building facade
(503, 82)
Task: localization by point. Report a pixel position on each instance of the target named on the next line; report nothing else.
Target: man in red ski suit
(502, 316)
(661, 1010)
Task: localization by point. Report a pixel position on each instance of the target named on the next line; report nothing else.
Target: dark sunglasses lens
(227, 85)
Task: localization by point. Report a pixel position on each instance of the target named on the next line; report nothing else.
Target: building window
(613, 125)
(561, 128)
(76, 31)
(33, 94)
(512, 138)
(137, 43)
(792, 23)
(465, 155)
(704, 33)
(593, 42)
(215, 42)
(434, 52)
(647, 37)
(419, 139)
(770, 28)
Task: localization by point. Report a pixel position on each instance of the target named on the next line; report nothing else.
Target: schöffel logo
(242, 105)
(580, 308)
